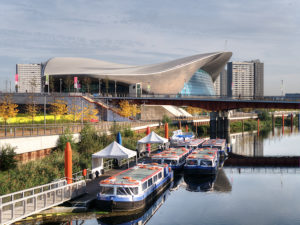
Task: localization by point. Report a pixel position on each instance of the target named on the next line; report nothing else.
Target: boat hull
(115, 205)
(200, 170)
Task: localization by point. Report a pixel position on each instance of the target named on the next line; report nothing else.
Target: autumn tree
(58, 108)
(31, 108)
(75, 110)
(89, 113)
(134, 109)
(7, 108)
(125, 108)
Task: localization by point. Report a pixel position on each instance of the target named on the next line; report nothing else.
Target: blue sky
(140, 32)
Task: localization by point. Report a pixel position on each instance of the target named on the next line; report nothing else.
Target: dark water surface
(243, 196)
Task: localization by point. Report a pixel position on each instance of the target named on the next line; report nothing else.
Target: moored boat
(202, 161)
(220, 144)
(134, 188)
(174, 157)
(180, 139)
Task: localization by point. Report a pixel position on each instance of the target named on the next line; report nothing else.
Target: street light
(60, 80)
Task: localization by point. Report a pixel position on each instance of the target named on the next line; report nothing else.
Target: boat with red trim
(202, 161)
(174, 157)
(220, 144)
(134, 188)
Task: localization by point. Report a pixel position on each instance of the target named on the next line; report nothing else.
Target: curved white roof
(166, 78)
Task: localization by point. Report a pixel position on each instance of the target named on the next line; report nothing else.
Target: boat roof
(134, 175)
(172, 153)
(214, 142)
(196, 142)
(203, 153)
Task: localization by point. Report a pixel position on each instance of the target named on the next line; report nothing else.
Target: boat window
(127, 191)
(155, 178)
(106, 190)
(205, 163)
(144, 186)
(149, 182)
(157, 161)
(170, 162)
(192, 162)
(159, 175)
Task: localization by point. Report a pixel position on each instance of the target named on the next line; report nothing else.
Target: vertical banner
(47, 80)
(16, 79)
(75, 82)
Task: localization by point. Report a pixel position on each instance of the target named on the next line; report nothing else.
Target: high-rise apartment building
(28, 78)
(245, 79)
(221, 84)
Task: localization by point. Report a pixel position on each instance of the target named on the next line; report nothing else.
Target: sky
(139, 32)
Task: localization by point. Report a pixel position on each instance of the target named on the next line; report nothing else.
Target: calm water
(235, 196)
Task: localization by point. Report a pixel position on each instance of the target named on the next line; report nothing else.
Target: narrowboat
(220, 144)
(133, 189)
(202, 161)
(174, 157)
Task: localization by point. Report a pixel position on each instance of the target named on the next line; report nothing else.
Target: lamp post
(60, 80)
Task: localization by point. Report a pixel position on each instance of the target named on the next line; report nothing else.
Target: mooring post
(258, 127)
(213, 124)
(292, 122)
(167, 130)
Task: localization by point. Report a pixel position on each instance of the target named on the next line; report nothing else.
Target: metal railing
(11, 131)
(21, 204)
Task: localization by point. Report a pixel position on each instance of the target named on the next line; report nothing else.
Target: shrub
(64, 138)
(89, 140)
(264, 115)
(127, 132)
(166, 119)
(7, 157)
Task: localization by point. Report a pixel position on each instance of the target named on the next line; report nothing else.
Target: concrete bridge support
(219, 124)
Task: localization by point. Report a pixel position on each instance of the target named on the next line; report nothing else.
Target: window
(192, 162)
(144, 186)
(157, 161)
(106, 190)
(127, 191)
(205, 163)
(149, 182)
(154, 178)
(159, 175)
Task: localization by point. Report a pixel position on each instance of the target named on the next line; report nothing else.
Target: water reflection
(267, 143)
(218, 182)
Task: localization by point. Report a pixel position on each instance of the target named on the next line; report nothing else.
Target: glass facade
(200, 84)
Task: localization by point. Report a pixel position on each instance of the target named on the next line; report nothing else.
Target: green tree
(89, 140)
(7, 157)
(68, 82)
(166, 119)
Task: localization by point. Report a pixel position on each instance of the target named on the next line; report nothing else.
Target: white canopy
(116, 151)
(153, 138)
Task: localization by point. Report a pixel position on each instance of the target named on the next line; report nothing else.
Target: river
(235, 196)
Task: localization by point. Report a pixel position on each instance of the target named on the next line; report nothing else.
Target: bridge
(212, 103)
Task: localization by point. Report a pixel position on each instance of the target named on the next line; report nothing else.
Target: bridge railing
(18, 205)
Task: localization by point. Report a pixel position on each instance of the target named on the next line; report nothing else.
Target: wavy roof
(167, 78)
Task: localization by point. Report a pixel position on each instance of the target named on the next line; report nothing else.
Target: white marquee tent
(151, 138)
(112, 151)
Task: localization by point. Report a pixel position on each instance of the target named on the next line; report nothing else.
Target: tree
(134, 110)
(89, 113)
(64, 138)
(69, 82)
(58, 108)
(31, 108)
(125, 108)
(75, 110)
(7, 157)
(89, 140)
(7, 108)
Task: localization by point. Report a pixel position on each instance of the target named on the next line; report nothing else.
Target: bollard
(68, 163)
(167, 130)
(179, 124)
(292, 122)
(258, 127)
(186, 128)
(84, 172)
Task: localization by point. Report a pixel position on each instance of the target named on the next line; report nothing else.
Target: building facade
(28, 78)
(245, 79)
